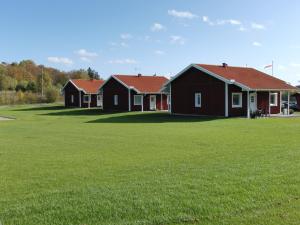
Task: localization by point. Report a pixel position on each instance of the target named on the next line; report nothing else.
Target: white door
(152, 102)
(253, 102)
(99, 100)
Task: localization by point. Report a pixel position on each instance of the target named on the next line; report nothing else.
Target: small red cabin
(134, 93)
(82, 93)
(222, 90)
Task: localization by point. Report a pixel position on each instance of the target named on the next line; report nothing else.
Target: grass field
(70, 166)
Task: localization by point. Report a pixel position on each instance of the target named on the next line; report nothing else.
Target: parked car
(293, 106)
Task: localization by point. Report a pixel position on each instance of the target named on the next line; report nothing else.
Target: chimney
(139, 75)
(224, 65)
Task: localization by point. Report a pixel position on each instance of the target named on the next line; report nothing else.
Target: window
(237, 100)
(198, 100)
(137, 100)
(86, 99)
(273, 99)
(72, 98)
(116, 100)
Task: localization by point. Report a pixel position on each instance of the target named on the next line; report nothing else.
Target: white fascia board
(209, 73)
(70, 81)
(121, 82)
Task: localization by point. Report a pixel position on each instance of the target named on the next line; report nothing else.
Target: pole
(42, 81)
(272, 68)
(248, 105)
(288, 108)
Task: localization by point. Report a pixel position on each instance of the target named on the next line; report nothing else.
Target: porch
(268, 103)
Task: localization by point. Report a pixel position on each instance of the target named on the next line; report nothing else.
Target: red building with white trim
(82, 93)
(222, 90)
(134, 93)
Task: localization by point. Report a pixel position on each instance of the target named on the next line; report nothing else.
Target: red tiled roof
(249, 77)
(143, 83)
(89, 86)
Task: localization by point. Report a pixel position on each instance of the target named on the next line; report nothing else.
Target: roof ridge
(143, 75)
(241, 67)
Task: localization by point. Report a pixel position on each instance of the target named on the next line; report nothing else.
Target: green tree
(51, 94)
(31, 86)
(92, 74)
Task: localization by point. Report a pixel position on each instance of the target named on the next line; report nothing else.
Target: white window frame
(135, 100)
(240, 97)
(197, 104)
(275, 98)
(72, 98)
(86, 101)
(116, 100)
(168, 99)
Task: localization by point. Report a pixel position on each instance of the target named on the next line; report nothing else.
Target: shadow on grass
(151, 118)
(41, 108)
(56, 110)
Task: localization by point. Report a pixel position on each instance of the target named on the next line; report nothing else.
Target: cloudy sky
(163, 37)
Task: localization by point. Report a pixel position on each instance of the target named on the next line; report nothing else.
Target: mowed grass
(76, 166)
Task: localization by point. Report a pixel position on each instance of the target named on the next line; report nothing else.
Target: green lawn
(70, 166)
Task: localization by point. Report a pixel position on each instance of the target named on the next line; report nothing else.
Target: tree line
(24, 82)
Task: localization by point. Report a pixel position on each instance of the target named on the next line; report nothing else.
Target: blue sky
(163, 37)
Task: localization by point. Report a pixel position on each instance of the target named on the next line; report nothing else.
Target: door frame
(150, 102)
(255, 97)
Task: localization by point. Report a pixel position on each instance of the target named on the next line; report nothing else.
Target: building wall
(212, 91)
(70, 90)
(111, 88)
(146, 102)
(233, 112)
(93, 101)
(263, 102)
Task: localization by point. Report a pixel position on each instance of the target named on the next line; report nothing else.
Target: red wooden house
(134, 93)
(222, 90)
(82, 93)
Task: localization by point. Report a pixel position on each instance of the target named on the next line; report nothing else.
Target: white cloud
(257, 26)
(126, 36)
(60, 60)
(121, 44)
(157, 27)
(230, 21)
(293, 64)
(85, 59)
(159, 52)
(256, 44)
(123, 61)
(177, 40)
(220, 22)
(242, 28)
(85, 53)
(182, 14)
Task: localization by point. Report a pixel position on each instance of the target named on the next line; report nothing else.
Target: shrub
(291, 111)
(51, 95)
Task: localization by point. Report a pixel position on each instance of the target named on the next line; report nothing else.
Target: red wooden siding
(70, 90)
(263, 102)
(236, 111)
(111, 88)
(212, 91)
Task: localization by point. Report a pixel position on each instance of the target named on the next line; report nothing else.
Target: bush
(291, 111)
(51, 95)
